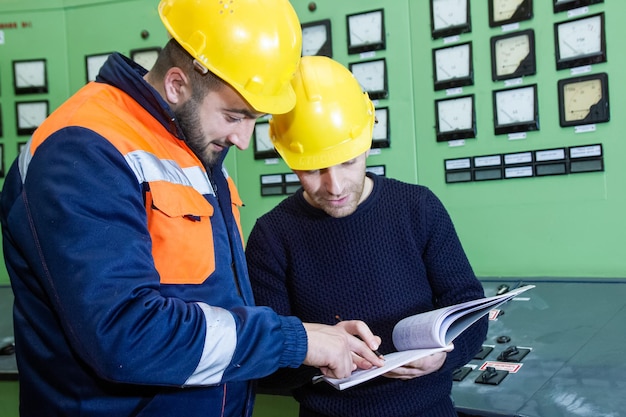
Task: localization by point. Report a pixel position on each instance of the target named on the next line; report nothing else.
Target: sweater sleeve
(267, 266)
(451, 277)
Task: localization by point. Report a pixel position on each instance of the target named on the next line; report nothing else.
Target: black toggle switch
(513, 354)
(484, 351)
(502, 289)
(7, 349)
(491, 376)
(459, 374)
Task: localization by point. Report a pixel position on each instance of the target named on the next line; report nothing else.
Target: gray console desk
(575, 331)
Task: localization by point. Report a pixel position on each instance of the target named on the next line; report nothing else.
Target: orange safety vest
(178, 214)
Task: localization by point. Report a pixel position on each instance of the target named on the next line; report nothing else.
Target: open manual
(426, 333)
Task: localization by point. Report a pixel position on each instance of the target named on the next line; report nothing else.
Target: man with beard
(352, 245)
(122, 239)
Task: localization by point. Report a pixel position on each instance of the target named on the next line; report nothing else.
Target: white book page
(392, 361)
(423, 334)
(431, 328)
(418, 331)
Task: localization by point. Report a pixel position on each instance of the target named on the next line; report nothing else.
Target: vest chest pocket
(179, 221)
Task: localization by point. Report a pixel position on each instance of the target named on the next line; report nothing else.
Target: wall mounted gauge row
(578, 42)
(30, 76)
(452, 17)
(365, 32)
(583, 100)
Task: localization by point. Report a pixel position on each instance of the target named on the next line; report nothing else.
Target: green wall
(568, 225)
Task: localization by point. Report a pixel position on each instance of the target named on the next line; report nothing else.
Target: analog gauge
(515, 110)
(93, 63)
(380, 135)
(372, 75)
(263, 146)
(29, 115)
(513, 55)
(452, 66)
(503, 12)
(316, 38)
(145, 57)
(561, 5)
(455, 118)
(580, 41)
(584, 100)
(449, 17)
(30, 76)
(366, 31)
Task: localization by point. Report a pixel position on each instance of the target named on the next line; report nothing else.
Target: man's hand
(420, 367)
(337, 350)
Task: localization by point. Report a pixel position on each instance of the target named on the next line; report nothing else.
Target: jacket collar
(126, 75)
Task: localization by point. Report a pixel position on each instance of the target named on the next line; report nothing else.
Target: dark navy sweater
(398, 254)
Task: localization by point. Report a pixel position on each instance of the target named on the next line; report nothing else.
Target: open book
(427, 333)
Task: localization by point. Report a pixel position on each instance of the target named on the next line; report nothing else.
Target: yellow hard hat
(253, 45)
(332, 121)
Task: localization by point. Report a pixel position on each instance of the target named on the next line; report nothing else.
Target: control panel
(554, 351)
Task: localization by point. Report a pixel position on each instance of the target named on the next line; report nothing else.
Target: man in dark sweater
(354, 245)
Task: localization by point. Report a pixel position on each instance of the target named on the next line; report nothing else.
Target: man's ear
(176, 86)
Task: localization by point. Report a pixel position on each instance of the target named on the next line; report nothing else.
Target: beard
(188, 119)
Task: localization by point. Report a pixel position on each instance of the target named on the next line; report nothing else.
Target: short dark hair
(174, 55)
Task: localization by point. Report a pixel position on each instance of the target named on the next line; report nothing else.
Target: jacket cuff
(295, 342)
